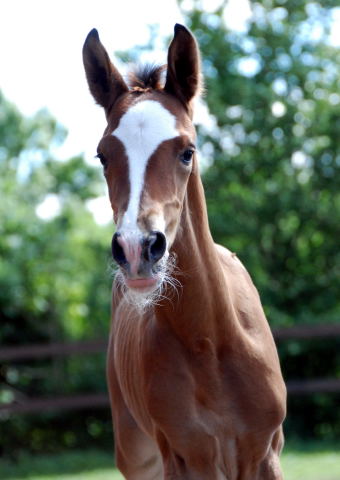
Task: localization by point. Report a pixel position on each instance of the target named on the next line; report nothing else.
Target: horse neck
(202, 301)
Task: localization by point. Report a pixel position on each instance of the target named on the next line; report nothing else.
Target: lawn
(312, 461)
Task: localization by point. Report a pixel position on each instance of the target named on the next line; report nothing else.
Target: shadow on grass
(301, 446)
(300, 459)
(58, 464)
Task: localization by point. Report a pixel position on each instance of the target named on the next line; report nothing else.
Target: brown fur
(195, 382)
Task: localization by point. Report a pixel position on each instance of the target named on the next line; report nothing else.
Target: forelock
(147, 77)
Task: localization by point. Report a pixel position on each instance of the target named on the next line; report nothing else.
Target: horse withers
(193, 373)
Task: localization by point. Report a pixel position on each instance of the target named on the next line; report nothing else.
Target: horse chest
(156, 373)
(127, 337)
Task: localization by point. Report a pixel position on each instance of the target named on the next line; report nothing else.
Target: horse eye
(186, 156)
(102, 159)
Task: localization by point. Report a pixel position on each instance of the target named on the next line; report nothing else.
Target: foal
(193, 373)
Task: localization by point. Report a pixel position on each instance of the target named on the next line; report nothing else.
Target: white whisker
(169, 286)
(112, 268)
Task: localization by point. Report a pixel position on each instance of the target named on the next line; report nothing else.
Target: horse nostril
(117, 251)
(156, 246)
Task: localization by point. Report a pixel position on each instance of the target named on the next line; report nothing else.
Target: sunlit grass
(312, 462)
(301, 461)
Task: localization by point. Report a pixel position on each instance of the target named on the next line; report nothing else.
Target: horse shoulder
(243, 293)
(255, 349)
(233, 267)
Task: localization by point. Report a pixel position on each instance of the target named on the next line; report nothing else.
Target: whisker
(168, 289)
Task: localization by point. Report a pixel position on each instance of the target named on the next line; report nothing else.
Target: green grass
(74, 465)
(299, 461)
(311, 461)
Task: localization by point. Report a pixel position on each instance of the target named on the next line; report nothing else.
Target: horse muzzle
(138, 255)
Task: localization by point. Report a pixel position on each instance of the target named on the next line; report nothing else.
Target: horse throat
(203, 294)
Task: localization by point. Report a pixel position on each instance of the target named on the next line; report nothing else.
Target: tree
(273, 185)
(54, 280)
(40, 287)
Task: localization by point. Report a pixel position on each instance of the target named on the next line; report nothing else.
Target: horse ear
(183, 74)
(105, 82)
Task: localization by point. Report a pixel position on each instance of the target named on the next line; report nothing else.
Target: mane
(146, 77)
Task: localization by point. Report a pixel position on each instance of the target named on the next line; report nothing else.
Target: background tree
(270, 156)
(273, 185)
(55, 282)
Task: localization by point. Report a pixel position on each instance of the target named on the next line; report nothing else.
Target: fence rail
(38, 405)
(32, 351)
(306, 332)
(29, 352)
(96, 400)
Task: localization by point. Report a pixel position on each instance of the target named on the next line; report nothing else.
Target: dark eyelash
(102, 159)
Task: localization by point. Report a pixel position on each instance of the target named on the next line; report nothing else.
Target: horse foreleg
(137, 456)
(270, 467)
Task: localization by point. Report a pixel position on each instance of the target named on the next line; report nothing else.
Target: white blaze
(141, 130)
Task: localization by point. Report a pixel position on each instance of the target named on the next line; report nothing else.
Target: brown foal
(193, 373)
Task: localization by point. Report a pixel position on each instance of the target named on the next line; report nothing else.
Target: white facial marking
(141, 130)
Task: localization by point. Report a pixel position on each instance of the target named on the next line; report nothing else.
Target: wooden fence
(95, 400)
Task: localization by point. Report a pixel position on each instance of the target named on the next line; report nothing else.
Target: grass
(299, 461)
(311, 461)
(73, 465)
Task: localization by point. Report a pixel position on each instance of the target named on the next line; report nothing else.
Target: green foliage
(54, 278)
(273, 189)
(52, 432)
(273, 185)
(50, 279)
